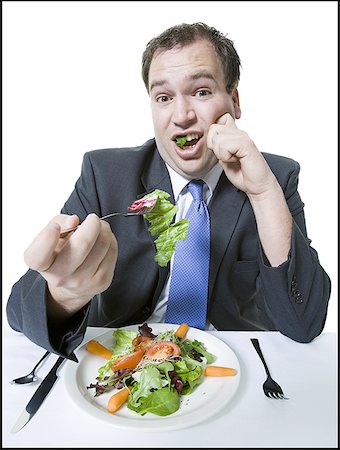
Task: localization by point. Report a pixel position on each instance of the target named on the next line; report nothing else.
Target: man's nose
(183, 113)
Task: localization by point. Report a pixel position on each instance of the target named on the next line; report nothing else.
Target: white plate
(207, 399)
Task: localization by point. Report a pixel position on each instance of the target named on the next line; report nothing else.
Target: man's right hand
(75, 267)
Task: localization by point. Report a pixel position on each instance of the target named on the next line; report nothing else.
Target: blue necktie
(188, 294)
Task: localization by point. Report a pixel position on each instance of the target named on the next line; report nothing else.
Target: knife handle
(44, 387)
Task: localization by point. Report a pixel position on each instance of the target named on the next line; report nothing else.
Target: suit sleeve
(26, 306)
(295, 295)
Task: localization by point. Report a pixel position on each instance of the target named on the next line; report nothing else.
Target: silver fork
(69, 230)
(270, 387)
(143, 209)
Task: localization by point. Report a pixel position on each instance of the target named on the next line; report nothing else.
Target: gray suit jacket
(244, 292)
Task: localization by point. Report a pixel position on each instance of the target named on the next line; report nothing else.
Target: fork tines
(276, 395)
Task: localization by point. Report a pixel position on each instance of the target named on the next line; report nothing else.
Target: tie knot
(195, 187)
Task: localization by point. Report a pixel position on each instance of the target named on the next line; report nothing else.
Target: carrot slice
(182, 330)
(217, 371)
(95, 347)
(117, 400)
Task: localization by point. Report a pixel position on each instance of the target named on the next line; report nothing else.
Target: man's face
(187, 92)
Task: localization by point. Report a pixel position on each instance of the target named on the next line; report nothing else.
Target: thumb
(226, 119)
(72, 221)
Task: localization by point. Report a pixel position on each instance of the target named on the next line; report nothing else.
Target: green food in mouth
(181, 140)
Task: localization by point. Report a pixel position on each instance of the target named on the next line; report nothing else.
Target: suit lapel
(225, 208)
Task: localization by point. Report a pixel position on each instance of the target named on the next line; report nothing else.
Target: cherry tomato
(162, 350)
(129, 361)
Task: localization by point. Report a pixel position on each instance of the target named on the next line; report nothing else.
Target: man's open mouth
(187, 140)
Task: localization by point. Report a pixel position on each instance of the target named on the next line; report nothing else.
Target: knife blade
(38, 397)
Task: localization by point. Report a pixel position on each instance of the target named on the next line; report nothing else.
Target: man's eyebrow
(157, 83)
(195, 76)
(202, 74)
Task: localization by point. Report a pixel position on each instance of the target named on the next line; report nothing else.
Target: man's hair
(185, 34)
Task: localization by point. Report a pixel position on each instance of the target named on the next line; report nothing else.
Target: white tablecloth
(307, 373)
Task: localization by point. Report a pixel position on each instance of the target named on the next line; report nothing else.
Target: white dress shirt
(183, 200)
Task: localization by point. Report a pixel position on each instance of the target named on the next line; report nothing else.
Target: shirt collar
(179, 182)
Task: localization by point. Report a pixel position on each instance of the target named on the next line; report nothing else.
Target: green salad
(157, 369)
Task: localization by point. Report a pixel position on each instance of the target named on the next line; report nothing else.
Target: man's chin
(190, 162)
(193, 168)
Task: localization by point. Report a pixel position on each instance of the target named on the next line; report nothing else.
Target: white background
(72, 83)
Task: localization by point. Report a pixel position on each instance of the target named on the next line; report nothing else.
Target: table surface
(307, 373)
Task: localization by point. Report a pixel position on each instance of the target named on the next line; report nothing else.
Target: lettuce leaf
(190, 372)
(181, 140)
(150, 378)
(123, 341)
(162, 213)
(200, 348)
(161, 402)
(153, 392)
(122, 346)
(187, 347)
(160, 218)
(167, 240)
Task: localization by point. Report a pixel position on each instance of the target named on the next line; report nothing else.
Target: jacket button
(298, 298)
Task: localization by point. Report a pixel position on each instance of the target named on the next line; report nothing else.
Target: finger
(65, 220)
(41, 252)
(77, 247)
(225, 146)
(221, 120)
(106, 242)
(95, 274)
(68, 222)
(224, 124)
(215, 133)
(105, 270)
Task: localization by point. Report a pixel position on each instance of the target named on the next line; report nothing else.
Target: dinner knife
(38, 397)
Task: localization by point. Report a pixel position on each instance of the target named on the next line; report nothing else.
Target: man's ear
(236, 100)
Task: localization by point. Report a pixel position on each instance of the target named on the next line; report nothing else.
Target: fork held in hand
(270, 387)
(138, 208)
(64, 233)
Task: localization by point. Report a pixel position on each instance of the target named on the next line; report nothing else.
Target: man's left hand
(242, 162)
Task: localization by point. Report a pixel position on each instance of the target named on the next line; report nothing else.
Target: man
(264, 275)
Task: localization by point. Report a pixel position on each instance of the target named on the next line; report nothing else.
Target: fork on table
(270, 387)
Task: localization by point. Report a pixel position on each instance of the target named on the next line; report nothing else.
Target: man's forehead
(195, 61)
(201, 74)
(201, 45)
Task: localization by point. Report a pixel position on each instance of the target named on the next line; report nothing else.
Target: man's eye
(162, 99)
(202, 93)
